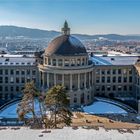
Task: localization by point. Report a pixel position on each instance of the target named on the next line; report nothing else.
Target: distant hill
(13, 31)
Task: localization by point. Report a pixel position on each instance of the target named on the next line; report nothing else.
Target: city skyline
(83, 16)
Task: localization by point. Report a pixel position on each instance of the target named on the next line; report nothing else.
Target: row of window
(114, 88)
(17, 72)
(67, 62)
(6, 96)
(114, 79)
(17, 80)
(114, 71)
(11, 88)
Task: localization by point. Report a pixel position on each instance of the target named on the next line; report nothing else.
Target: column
(56, 62)
(63, 62)
(89, 80)
(47, 80)
(54, 79)
(78, 81)
(70, 82)
(43, 81)
(51, 61)
(139, 107)
(85, 79)
(63, 79)
(39, 79)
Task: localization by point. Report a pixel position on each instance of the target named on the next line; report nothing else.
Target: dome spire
(66, 29)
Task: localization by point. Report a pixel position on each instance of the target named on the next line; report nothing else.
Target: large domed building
(67, 63)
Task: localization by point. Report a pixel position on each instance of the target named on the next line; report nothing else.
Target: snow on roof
(9, 59)
(114, 60)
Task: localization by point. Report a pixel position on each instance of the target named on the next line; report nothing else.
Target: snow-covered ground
(101, 107)
(98, 107)
(67, 134)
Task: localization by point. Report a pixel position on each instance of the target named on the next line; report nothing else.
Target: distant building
(66, 62)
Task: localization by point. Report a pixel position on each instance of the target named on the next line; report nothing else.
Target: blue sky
(83, 16)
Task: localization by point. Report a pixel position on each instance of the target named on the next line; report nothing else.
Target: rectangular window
(6, 88)
(28, 80)
(6, 72)
(12, 88)
(119, 79)
(125, 88)
(108, 88)
(119, 71)
(97, 79)
(22, 80)
(1, 71)
(114, 79)
(12, 72)
(17, 72)
(130, 79)
(34, 79)
(103, 88)
(17, 80)
(60, 62)
(98, 71)
(78, 62)
(130, 71)
(33, 72)
(108, 71)
(28, 72)
(6, 79)
(49, 61)
(1, 79)
(103, 72)
(23, 72)
(103, 79)
(17, 88)
(130, 88)
(125, 79)
(108, 79)
(119, 88)
(54, 62)
(1, 88)
(114, 87)
(72, 62)
(114, 71)
(97, 88)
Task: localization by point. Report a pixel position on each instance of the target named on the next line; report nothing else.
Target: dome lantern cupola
(66, 29)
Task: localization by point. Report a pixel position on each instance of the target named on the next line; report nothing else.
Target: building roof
(114, 60)
(66, 45)
(18, 60)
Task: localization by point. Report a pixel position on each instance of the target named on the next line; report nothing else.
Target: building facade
(66, 62)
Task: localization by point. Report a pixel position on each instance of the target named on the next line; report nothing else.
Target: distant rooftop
(114, 60)
(16, 60)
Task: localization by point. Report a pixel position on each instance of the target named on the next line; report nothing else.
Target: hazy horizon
(84, 16)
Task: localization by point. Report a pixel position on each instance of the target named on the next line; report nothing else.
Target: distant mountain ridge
(13, 31)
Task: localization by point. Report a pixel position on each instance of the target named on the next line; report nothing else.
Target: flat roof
(17, 60)
(114, 60)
